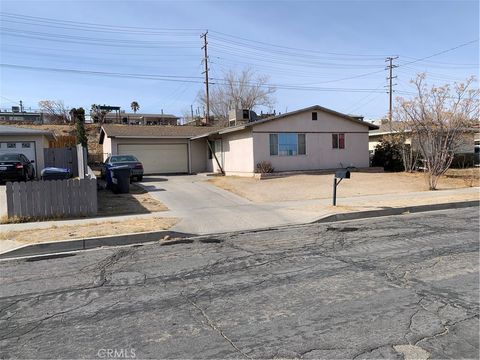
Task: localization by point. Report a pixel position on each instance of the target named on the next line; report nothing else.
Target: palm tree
(134, 105)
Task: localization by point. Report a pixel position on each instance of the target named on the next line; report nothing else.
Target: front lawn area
(138, 201)
(69, 232)
(306, 187)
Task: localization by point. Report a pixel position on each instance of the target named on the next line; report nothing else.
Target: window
(314, 116)
(273, 144)
(287, 144)
(25, 145)
(11, 145)
(338, 141)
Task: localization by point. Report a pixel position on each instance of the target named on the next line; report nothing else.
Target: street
(391, 287)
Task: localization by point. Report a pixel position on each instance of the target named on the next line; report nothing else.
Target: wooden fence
(62, 158)
(53, 198)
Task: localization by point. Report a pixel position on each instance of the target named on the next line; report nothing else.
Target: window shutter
(341, 141)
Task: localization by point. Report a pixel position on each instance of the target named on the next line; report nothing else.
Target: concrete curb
(140, 238)
(90, 243)
(396, 211)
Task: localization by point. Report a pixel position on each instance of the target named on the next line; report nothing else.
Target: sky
(327, 53)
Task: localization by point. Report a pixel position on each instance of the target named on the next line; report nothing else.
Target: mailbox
(342, 174)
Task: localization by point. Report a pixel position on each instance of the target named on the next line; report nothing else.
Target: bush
(388, 155)
(462, 161)
(264, 167)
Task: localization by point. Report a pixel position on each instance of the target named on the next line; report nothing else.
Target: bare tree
(244, 90)
(54, 111)
(438, 118)
(98, 114)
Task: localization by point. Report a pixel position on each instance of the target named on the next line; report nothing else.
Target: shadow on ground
(138, 201)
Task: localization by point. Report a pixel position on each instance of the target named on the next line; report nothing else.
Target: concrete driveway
(206, 209)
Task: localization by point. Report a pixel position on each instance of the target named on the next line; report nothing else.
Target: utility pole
(205, 59)
(390, 78)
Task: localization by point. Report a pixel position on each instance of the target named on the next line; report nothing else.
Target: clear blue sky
(316, 52)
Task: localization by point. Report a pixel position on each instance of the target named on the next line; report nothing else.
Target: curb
(90, 243)
(181, 238)
(396, 211)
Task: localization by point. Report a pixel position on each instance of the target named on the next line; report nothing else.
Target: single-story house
(29, 142)
(467, 144)
(312, 138)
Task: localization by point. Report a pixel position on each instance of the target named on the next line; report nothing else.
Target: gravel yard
(306, 187)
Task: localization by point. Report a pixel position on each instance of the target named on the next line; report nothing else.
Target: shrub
(264, 167)
(388, 154)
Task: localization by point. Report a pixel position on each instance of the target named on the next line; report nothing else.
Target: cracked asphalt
(393, 287)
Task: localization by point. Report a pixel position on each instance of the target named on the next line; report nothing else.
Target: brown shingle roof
(154, 131)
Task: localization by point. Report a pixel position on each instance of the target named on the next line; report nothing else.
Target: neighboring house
(308, 139)
(142, 119)
(21, 117)
(29, 142)
(470, 137)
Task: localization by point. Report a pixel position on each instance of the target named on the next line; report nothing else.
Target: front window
(287, 144)
(338, 141)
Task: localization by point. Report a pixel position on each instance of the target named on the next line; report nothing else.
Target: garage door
(26, 148)
(159, 158)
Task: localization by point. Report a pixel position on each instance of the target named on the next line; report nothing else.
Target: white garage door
(159, 158)
(26, 148)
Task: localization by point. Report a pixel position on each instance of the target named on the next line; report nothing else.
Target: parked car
(16, 167)
(136, 167)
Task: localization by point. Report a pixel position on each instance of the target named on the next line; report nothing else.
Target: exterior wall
(235, 152)
(318, 136)
(198, 155)
(107, 147)
(41, 142)
(238, 153)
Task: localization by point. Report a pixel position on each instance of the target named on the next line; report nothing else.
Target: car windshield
(10, 157)
(122, 158)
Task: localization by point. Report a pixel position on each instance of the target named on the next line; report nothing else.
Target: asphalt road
(378, 288)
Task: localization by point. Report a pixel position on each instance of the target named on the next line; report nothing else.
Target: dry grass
(306, 187)
(68, 232)
(138, 201)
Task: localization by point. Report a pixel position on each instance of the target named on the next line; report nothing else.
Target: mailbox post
(340, 175)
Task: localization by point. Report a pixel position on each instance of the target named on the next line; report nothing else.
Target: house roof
(159, 116)
(384, 128)
(281, 116)
(153, 132)
(19, 131)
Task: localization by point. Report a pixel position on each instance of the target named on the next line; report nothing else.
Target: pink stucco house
(312, 138)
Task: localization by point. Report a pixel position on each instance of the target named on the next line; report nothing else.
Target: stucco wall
(41, 142)
(318, 135)
(198, 155)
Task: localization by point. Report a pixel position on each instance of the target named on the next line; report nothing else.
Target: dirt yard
(68, 232)
(306, 187)
(138, 201)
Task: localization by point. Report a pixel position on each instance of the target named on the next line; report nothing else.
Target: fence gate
(62, 158)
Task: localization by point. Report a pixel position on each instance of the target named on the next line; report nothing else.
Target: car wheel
(25, 176)
(140, 178)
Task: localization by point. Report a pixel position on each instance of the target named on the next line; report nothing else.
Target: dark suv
(16, 167)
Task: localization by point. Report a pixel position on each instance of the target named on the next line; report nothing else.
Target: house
(21, 117)
(469, 139)
(29, 142)
(141, 119)
(312, 138)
